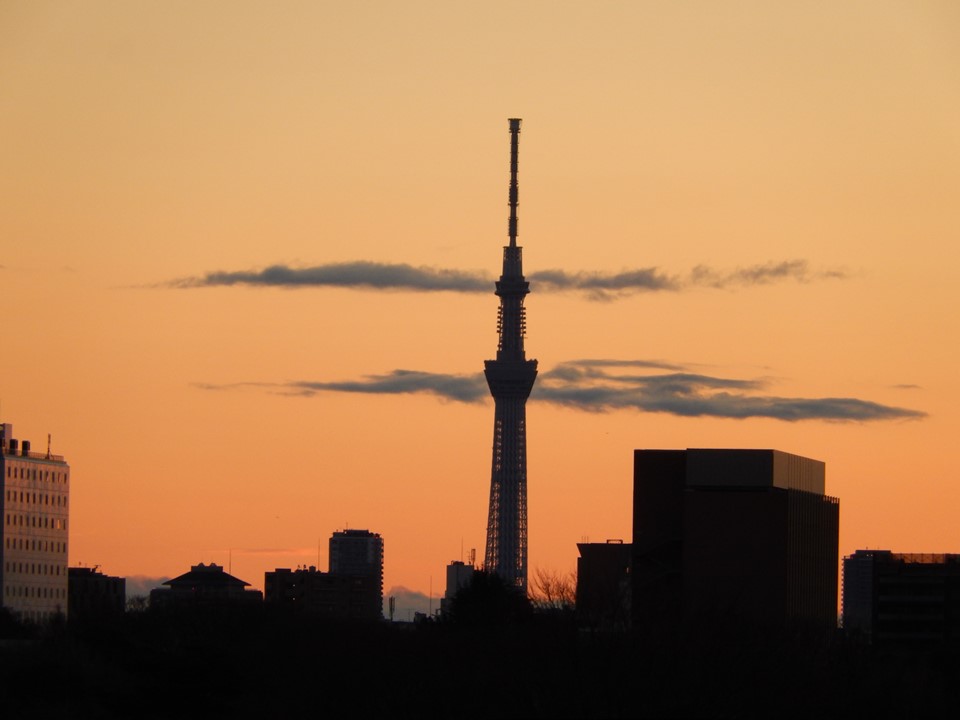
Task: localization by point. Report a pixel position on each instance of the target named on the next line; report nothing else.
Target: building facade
(92, 596)
(359, 553)
(510, 378)
(459, 575)
(34, 504)
(603, 585)
(345, 597)
(736, 536)
(902, 598)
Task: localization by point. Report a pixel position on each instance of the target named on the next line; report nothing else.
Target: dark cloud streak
(595, 285)
(369, 275)
(460, 388)
(589, 385)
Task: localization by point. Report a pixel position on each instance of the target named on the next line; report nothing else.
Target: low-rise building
(350, 597)
(902, 598)
(204, 585)
(603, 584)
(91, 595)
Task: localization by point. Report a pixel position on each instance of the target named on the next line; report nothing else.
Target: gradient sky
(247, 252)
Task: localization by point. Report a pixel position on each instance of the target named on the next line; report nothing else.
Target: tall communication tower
(510, 377)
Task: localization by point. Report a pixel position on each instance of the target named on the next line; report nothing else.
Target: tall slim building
(510, 377)
(359, 553)
(34, 491)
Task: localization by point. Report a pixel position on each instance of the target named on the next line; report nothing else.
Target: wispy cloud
(604, 286)
(604, 385)
(461, 388)
(595, 285)
(361, 274)
(588, 385)
(798, 270)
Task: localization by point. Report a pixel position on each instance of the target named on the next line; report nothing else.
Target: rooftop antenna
(49, 440)
(514, 192)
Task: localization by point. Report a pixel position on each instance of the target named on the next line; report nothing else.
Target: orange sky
(147, 143)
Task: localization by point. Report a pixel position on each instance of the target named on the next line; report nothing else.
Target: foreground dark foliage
(259, 663)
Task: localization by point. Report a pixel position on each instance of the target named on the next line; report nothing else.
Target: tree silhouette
(487, 601)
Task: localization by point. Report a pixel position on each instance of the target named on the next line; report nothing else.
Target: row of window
(39, 616)
(33, 498)
(13, 543)
(33, 568)
(35, 591)
(27, 473)
(48, 523)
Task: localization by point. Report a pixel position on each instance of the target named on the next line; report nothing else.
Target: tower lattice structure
(510, 378)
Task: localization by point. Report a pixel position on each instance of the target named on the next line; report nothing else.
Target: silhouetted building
(459, 574)
(902, 598)
(351, 597)
(603, 584)
(94, 596)
(733, 536)
(204, 585)
(359, 553)
(34, 496)
(510, 378)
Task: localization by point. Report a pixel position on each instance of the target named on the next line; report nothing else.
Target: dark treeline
(266, 662)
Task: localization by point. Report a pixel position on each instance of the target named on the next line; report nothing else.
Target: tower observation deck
(510, 378)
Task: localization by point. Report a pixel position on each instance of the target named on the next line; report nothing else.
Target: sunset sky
(247, 254)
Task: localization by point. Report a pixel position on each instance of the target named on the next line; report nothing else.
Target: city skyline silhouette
(249, 267)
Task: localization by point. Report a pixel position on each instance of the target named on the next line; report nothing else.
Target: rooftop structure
(510, 378)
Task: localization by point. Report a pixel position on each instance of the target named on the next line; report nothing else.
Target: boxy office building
(737, 536)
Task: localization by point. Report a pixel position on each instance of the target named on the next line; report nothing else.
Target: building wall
(659, 478)
(813, 548)
(735, 555)
(34, 499)
(603, 585)
(93, 595)
(459, 575)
